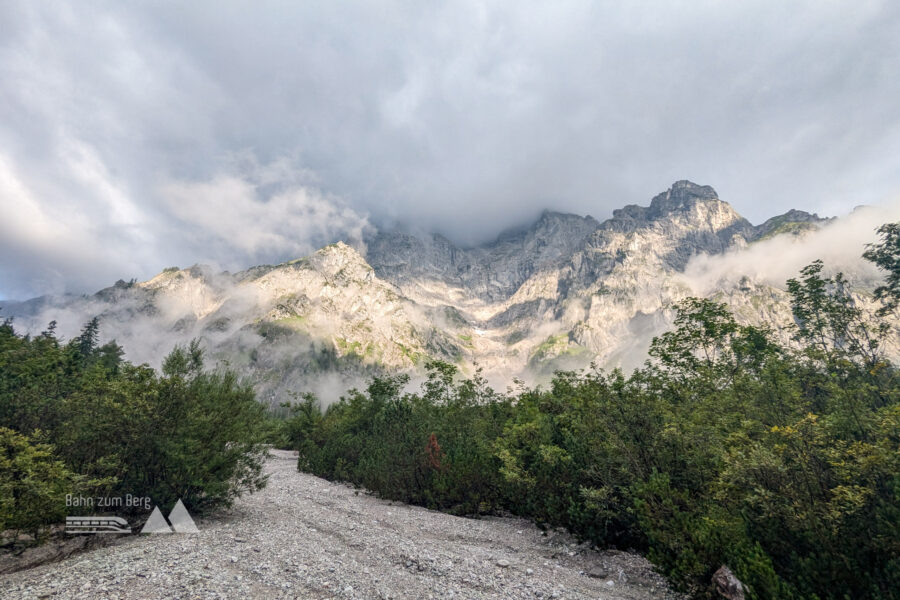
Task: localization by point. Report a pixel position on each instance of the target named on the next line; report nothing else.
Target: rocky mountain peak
(553, 231)
(686, 206)
(339, 259)
(174, 277)
(682, 194)
(552, 218)
(794, 222)
(565, 223)
(800, 216)
(490, 271)
(339, 251)
(699, 204)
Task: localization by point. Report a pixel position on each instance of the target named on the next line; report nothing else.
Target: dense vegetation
(77, 419)
(782, 462)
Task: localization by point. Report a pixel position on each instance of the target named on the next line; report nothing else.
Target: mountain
(562, 293)
(491, 272)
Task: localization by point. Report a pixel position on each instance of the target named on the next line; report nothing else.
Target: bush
(33, 484)
(123, 429)
(434, 449)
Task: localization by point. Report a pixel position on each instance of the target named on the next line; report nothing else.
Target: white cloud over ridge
(838, 244)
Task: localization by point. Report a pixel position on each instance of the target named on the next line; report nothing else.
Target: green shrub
(184, 433)
(434, 449)
(33, 484)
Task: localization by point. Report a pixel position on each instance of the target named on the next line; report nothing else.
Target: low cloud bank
(839, 244)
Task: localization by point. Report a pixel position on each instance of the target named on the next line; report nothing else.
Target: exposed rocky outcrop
(727, 586)
(491, 272)
(795, 222)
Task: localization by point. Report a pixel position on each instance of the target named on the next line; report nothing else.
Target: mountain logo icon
(180, 521)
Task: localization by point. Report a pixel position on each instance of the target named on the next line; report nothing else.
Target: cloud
(839, 244)
(464, 118)
(47, 245)
(231, 215)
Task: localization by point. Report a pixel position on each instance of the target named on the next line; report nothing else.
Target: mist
(839, 244)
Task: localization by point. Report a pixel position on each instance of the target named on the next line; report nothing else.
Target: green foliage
(296, 423)
(125, 429)
(886, 256)
(432, 449)
(829, 323)
(33, 484)
(209, 436)
(728, 448)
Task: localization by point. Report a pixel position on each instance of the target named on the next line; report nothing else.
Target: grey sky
(134, 137)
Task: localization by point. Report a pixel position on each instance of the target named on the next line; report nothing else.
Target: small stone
(598, 573)
(529, 571)
(502, 563)
(610, 583)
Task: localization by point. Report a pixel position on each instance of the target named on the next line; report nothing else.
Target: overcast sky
(135, 136)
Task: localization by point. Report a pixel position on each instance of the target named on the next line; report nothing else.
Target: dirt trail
(304, 537)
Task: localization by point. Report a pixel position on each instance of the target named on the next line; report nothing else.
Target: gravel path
(304, 537)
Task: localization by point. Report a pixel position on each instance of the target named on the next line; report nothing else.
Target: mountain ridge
(564, 292)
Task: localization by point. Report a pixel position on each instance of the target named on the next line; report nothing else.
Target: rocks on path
(304, 537)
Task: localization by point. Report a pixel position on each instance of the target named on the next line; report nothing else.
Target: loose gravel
(304, 537)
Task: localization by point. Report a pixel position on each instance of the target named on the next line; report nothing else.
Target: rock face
(793, 221)
(560, 294)
(491, 272)
(727, 585)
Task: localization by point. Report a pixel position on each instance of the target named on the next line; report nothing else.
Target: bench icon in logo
(97, 525)
(180, 521)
